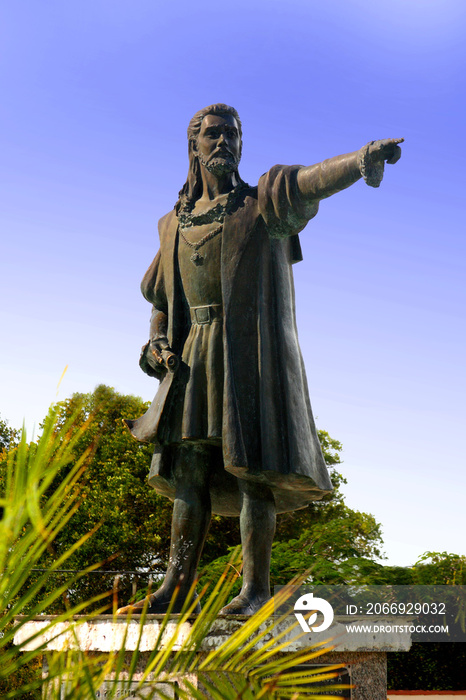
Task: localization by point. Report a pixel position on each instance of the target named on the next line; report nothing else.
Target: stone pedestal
(364, 659)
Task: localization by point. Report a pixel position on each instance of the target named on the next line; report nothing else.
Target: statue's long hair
(192, 188)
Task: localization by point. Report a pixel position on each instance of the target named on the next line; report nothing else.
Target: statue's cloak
(268, 432)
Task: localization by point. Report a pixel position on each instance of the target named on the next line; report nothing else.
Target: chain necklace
(196, 257)
(215, 214)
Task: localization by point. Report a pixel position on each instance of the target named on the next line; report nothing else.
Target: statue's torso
(199, 411)
(201, 282)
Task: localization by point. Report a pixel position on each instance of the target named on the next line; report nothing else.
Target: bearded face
(219, 144)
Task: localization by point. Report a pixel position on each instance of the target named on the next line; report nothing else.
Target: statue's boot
(257, 524)
(190, 522)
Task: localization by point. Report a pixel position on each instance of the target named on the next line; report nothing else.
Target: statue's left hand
(385, 150)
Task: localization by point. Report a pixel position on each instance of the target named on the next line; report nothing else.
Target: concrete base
(106, 633)
(368, 672)
(358, 667)
(366, 669)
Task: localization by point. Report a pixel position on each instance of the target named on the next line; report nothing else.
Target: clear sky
(96, 98)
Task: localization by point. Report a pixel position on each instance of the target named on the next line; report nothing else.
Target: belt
(202, 315)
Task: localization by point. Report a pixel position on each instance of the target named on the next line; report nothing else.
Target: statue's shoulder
(248, 191)
(167, 220)
(251, 193)
(245, 198)
(167, 227)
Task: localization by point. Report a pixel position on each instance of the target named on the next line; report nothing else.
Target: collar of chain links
(216, 213)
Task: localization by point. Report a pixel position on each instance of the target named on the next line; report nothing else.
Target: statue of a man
(231, 422)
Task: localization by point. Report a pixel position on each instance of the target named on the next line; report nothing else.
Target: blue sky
(96, 100)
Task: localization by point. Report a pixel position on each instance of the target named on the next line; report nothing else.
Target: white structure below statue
(365, 660)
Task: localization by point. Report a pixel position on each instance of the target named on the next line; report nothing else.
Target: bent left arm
(320, 181)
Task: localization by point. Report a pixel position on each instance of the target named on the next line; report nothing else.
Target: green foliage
(440, 568)
(134, 522)
(431, 569)
(439, 666)
(8, 436)
(435, 666)
(26, 675)
(336, 551)
(29, 525)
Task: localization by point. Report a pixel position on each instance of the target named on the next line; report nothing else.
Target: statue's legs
(257, 524)
(190, 522)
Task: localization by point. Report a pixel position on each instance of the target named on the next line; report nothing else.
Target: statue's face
(219, 144)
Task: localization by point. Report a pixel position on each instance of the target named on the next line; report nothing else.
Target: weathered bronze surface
(231, 422)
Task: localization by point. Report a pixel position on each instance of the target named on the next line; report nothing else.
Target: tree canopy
(8, 436)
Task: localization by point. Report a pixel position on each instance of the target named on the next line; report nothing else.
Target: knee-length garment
(268, 433)
(197, 412)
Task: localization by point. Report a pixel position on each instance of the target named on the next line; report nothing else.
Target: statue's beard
(220, 165)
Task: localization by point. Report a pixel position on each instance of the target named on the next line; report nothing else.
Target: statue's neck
(215, 187)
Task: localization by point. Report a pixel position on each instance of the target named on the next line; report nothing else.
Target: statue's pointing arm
(319, 181)
(289, 195)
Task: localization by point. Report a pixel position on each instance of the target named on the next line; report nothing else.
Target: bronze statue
(231, 422)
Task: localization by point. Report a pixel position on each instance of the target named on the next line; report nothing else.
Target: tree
(132, 520)
(8, 436)
(437, 666)
(434, 666)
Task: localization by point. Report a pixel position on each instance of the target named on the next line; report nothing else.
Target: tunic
(198, 410)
